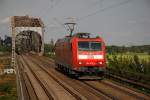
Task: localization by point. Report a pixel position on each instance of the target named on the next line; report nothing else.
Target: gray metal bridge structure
(27, 35)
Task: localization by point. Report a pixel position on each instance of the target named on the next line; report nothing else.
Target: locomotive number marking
(90, 57)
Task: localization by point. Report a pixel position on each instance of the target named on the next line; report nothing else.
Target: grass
(141, 56)
(50, 55)
(9, 97)
(8, 89)
(136, 64)
(132, 62)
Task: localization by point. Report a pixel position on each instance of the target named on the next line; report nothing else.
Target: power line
(104, 9)
(92, 5)
(55, 3)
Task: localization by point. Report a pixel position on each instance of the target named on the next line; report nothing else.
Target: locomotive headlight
(80, 63)
(100, 63)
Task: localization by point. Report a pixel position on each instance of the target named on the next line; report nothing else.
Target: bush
(5, 88)
(10, 90)
(8, 98)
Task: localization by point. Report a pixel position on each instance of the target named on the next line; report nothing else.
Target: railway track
(57, 90)
(134, 82)
(115, 91)
(24, 86)
(41, 83)
(79, 88)
(101, 89)
(39, 92)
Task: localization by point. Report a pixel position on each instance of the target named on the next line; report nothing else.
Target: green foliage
(131, 63)
(10, 90)
(50, 55)
(5, 88)
(48, 48)
(5, 48)
(123, 49)
(137, 63)
(8, 98)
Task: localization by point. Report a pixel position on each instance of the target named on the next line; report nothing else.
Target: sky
(119, 22)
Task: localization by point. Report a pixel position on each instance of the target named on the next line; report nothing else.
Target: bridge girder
(24, 24)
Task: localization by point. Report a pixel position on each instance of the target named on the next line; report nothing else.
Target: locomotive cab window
(83, 45)
(92, 46)
(95, 46)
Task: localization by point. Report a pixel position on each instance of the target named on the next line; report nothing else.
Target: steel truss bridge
(27, 35)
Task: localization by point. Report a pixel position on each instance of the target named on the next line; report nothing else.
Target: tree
(1, 41)
(52, 45)
(5, 45)
(49, 47)
(7, 40)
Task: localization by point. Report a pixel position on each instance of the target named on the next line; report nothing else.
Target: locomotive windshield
(90, 46)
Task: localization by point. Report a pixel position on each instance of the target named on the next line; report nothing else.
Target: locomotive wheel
(72, 74)
(67, 71)
(101, 74)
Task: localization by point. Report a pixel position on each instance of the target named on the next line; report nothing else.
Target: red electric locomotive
(81, 55)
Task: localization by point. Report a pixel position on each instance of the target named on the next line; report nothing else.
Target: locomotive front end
(90, 56)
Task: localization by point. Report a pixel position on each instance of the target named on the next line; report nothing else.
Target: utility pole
(13, 42)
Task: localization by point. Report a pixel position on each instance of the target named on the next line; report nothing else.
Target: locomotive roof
(78, 35)
(85, 35)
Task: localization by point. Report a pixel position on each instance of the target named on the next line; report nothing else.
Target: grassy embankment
(135, 66)
(8, 89)
(131, 62)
